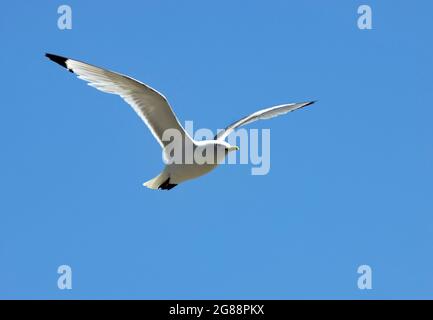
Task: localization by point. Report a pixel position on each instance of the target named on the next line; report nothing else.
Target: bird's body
(154, 109)
(175, 173)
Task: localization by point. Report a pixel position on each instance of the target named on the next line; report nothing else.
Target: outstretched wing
(150, 105)
(259, 115)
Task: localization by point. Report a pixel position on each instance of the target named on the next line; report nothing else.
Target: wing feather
(150, 105)
(261, 115)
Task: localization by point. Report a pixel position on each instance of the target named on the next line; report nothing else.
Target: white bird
(153, 108)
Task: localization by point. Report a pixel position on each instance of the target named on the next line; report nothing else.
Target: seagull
(153, 108)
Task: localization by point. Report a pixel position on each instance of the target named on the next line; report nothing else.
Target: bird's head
(232, 148)
(226, 146)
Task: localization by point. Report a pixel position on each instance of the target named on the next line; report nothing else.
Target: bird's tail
(156, 182)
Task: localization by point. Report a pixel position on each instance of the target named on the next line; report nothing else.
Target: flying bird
(153, 108)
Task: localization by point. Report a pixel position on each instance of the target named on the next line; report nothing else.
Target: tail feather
(162, 181)
(156, 182)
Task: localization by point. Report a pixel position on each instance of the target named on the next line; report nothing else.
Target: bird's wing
(259, 115)
(150, 105)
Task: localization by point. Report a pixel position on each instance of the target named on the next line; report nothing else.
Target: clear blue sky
(351, 178)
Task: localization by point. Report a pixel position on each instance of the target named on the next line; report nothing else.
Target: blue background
(351, 177)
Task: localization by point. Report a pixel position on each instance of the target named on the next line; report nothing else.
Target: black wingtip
(58, 59)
